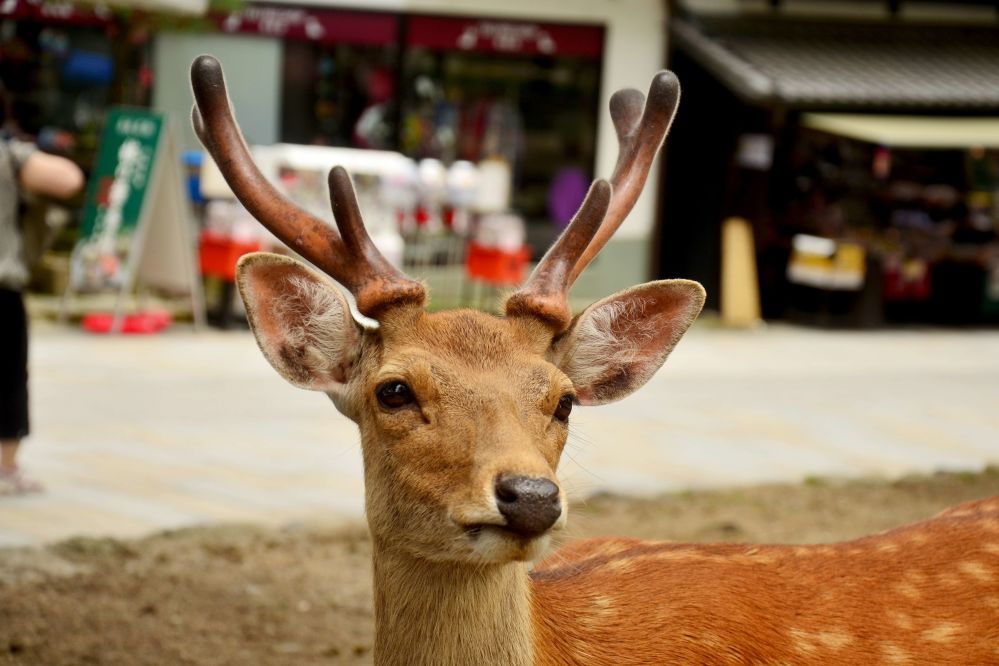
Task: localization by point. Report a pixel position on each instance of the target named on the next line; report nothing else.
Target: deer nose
(530, 505)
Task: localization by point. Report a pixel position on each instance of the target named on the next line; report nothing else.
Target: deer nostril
(530, 505)
(506, 491)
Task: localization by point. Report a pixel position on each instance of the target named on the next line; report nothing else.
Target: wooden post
(740, 293)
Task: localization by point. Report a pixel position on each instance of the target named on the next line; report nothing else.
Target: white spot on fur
(948, 579)
(976, 570)
(603, 602)
(908, 590)
(901, 620)
(599, 612)
(810, 641)
(942, 633)
(894, 654)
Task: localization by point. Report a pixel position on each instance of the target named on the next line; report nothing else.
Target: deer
(463, 415)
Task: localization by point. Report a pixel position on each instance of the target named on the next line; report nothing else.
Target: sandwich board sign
(136, 226)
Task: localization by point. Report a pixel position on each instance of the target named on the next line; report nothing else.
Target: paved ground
(134, 434)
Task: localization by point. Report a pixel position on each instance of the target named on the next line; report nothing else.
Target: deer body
(927, 593)
(463, 416)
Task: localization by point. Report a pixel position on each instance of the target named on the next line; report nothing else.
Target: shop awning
(196, 7)
(826, 65)
(447, 33)
(909, 131)
(92, 12)
(173, 6)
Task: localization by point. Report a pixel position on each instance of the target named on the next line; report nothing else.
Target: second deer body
(927, 593)
(463, 417)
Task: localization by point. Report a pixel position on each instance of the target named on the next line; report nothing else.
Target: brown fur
(452, 586)
(927, 593)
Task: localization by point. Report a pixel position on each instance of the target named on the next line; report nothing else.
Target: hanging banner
(513, 37)
(306, 23)
(56, 11)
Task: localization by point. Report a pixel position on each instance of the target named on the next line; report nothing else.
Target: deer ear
(614, 346)
(301, 320)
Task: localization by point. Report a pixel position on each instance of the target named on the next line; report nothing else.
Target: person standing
(23, 170)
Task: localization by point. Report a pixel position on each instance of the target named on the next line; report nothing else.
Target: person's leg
(13, 390)
(8, 454)
(12, 480)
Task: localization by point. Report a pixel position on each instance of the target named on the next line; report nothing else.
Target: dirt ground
(301, 595)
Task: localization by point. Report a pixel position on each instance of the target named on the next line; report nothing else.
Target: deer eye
(394, 394)
(564, 407)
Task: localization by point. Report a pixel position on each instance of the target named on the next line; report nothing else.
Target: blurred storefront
(524, 85)
(62, 65)
(859, 139)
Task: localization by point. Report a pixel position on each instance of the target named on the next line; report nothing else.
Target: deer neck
(445, 613)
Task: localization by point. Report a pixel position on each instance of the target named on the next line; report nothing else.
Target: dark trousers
(13, 365)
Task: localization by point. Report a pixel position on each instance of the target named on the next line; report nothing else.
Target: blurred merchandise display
(424, 217)
(228, 232)
(517, 98)
(926, 217)
(62, 65)
(475, 123)
(862, 145)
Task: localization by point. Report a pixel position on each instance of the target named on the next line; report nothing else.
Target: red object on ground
(147, 321)
(218, 255)
(495, 266)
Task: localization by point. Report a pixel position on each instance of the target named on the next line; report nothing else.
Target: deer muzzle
(530, 505)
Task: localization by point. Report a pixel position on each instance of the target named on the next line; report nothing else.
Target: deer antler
(349, 256)
(641, 128)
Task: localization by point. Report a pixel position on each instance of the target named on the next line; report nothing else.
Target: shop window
(457, 89)
(927, 220)
(60, 77)
(339, 95)
(536, 113)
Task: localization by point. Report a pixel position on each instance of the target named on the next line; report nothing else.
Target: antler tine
(641, 128)
(380, 286)
(546, 293)
(352, 260)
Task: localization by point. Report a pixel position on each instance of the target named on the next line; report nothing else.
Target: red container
(218, 255)
(148, 321)
(498, 268)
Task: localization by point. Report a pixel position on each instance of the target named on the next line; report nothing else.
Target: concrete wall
(254, 85)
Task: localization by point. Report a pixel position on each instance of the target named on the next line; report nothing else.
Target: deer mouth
(499, 544)
(475, 531)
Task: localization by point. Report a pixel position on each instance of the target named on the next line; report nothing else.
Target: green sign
(116, 196)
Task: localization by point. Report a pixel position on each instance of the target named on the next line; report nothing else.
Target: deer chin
(494, 544)
(486, 539)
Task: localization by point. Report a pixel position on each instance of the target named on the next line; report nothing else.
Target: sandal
(17, 483)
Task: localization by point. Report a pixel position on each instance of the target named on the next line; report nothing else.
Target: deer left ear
(614, 346)
(301, 321)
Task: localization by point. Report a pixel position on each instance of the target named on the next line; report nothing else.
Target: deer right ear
(301, 320)
(617, 344)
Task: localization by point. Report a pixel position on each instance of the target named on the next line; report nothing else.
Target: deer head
(463, 415)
